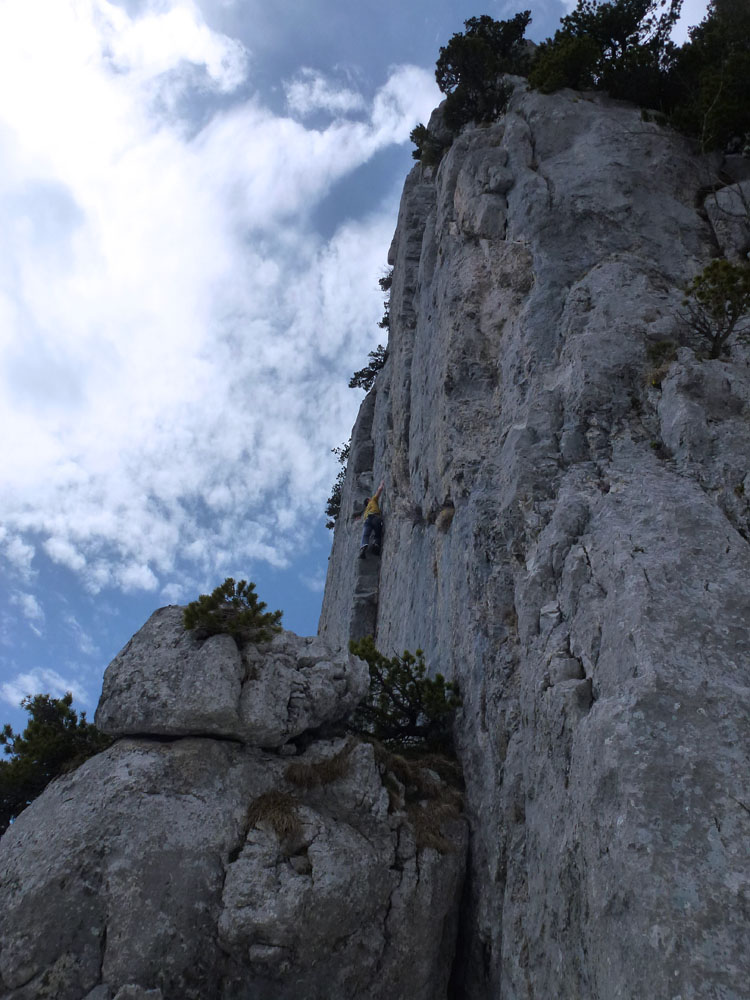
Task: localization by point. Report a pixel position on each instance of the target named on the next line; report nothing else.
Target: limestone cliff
(567, 529)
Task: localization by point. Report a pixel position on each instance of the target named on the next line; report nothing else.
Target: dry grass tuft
(320, 772)
(444, 518)
(279, 811)
(661, 354)
(427, 819)
(427, 788)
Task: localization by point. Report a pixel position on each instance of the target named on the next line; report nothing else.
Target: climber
(373, 524)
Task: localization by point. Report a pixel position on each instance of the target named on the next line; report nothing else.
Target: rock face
(567, 526)
(165, 682)
(192, 862)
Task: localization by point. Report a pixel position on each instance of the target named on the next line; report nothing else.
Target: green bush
(386, 280)
(54, 742)
(469, 68)
(234, 609)
(710, 78)
(622, 47)
(718, 305)
(566, 61)
(429, 149)
(365, 377)
(404, 707)
(333, 504)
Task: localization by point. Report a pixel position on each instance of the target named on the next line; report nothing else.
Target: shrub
(386, 280)
(710, 79)
(404, 707)
(54, 742)
(429, 149)
(622, 47)
(469, 68)
(661, 354)
(718, 305)
(365, 377)
(234, 609)
(333, 504)
(567, 61)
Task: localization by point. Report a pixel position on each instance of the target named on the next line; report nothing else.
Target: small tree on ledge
(404, 708)
(365, 377)
(718, 305)
(234, 609)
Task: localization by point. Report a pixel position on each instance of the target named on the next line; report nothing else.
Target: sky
(196, 201)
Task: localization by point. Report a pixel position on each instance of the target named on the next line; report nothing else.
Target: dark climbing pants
(373, 529)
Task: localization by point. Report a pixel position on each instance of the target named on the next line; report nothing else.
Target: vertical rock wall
(567, 536)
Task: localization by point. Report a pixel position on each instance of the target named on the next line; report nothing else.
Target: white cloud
(41, 681)
(61, 551)
(175, 593)
(31, 609)
(81, 637)
(316, 583)
(18, 553)
(311, 91)
(160, 40)
(175, 339)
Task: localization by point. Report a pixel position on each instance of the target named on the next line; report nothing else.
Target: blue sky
(197, 200)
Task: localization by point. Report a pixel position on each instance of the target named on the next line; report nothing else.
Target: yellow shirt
(373, 507)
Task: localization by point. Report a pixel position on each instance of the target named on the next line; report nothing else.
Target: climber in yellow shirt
(373, 524)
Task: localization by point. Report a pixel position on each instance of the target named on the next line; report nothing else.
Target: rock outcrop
(204, 856)
(567, 536)
(165, 682)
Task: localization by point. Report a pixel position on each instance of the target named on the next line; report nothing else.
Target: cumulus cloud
(161, 39)
(175, 338)
(18, 554)
(38, 681)
(311, 91)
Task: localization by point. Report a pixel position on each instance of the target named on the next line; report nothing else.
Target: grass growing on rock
(428, 788)
(313, 774)
(277, 810)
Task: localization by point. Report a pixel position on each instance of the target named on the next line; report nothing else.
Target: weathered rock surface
(567, 527)
(165, 682)
(199, 868)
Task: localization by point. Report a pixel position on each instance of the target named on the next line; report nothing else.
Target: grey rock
(133, 992)
(728, 210)
(591, 593)
(143, 872)
(166, 682)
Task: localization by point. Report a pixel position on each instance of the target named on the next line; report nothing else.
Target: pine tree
(404, 707)
(55, 741)
(234, 609)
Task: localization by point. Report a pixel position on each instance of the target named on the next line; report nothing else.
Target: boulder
(166, 682)
(194, 869)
